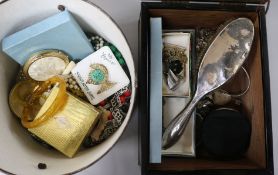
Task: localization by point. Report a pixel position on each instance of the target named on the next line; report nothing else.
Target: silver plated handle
(177, 126)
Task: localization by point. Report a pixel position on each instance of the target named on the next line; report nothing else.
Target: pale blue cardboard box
(59, 31)
(156, 90)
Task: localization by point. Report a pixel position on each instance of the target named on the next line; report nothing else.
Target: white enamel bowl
(19, 154)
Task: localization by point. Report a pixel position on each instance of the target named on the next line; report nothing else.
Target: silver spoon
(222, 60)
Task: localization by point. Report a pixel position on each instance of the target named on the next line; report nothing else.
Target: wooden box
(182, 15)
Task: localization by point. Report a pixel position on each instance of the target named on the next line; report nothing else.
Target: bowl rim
(134, 91)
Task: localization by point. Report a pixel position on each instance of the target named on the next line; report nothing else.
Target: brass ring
(53, 108)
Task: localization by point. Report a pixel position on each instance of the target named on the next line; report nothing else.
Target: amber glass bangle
(53, 108)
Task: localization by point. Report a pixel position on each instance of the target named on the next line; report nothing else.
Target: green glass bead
(113, 48)
(118, 55)
(121, 61)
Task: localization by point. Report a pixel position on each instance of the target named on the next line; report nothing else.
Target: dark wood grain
(170, 164)
(254, 104)
(228, 1)
(183, 19)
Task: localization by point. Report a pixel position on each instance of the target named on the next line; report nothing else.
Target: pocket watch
(45, 64)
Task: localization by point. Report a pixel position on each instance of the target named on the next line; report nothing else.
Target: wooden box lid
(225, 1)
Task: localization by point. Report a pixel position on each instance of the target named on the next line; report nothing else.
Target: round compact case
(226, 133)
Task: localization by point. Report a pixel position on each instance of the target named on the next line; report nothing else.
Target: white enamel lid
(19, 154)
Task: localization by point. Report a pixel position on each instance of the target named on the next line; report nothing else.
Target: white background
(123, 158)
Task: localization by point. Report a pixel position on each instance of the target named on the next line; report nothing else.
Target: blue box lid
(59, 32)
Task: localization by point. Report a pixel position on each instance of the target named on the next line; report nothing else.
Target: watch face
(46, 68)
(45, 65)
